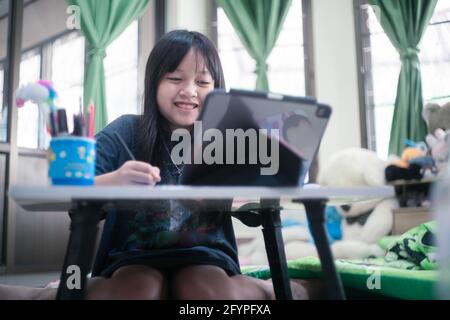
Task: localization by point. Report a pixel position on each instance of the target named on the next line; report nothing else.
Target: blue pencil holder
(72, 161)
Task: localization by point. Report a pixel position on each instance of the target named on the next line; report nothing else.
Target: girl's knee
(202, 283)
(129, 283)
(194, 290)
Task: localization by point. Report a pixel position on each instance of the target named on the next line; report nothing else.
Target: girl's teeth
(185, 106)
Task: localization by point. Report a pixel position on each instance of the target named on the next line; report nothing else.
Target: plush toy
(363, 222)
(353, 228)
(438, 122)
(411, 165)
(438, 144)
(40, 92)
(436, 117)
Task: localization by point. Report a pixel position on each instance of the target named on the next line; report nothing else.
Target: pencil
(91, 113)
(124, 145)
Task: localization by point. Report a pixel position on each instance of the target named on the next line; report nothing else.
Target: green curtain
(101, 22)
(258, 24)
(404, 22)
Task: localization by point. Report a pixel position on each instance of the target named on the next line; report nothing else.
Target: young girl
(166, 250)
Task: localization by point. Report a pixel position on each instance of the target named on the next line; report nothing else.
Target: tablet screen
(297, 125)
(301, 122)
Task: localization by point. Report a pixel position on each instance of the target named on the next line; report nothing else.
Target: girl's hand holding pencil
(131, 173)
(137, 172)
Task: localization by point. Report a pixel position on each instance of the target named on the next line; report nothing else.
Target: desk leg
(273, 240)
(80, 250)
(315, 211)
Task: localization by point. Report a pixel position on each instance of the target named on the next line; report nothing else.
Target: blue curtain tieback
(97, 51)
(409, 54)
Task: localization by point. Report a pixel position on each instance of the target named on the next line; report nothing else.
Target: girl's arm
(130, 173)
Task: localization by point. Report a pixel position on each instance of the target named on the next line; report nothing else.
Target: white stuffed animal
(363, 223)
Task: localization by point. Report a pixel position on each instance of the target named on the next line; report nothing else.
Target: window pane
(435, 62)
(441, 12)
(385, 69)
(121, 74)
(67, 73)
(286, 61)
(28, 115)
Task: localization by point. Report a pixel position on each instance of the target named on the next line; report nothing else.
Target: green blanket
(415, 249)
(408, 271)
(369, 275)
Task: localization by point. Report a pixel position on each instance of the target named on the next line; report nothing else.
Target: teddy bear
(353, 228)
(437, 119)
(439, 149)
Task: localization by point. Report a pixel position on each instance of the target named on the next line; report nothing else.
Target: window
(63, 61)
(121, 74)
(286, 61)
(382, 67)
(28, 116)
(67, 73)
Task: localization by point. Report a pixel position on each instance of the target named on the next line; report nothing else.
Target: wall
(336, 73)
(40, 237)
(193, 15)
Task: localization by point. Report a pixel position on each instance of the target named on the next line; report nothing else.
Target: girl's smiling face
(181, 93)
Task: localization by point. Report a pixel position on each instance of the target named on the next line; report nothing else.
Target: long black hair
(165, 57)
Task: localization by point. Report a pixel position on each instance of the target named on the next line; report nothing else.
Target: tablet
(251, 138)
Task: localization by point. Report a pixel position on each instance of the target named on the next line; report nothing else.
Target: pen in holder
(72, 160)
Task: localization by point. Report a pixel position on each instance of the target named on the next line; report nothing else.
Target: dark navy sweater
(165, 234)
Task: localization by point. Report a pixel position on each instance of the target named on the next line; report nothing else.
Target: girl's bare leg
(210, 282)
(135, 282)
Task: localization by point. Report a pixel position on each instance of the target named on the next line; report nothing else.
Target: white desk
(49, 198)
(88, 203)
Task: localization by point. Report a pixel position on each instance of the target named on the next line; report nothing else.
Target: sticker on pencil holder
(72, 161)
